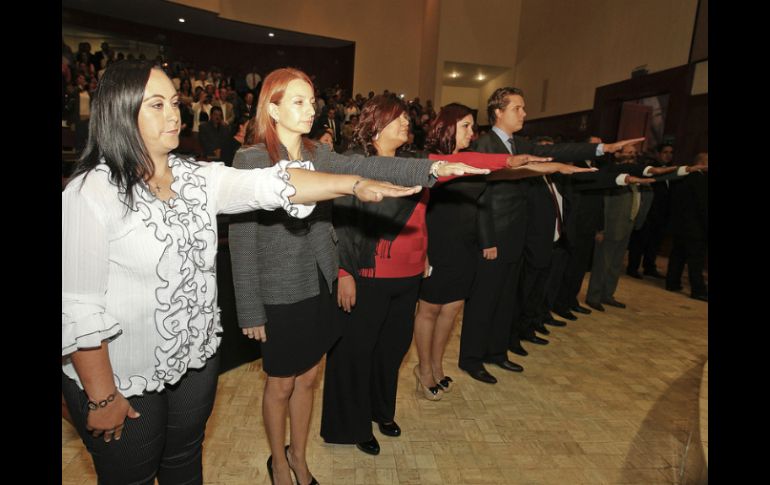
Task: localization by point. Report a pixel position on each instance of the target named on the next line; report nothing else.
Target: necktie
(555, 204)
(636, 202)
(513, 147)
(334, 132)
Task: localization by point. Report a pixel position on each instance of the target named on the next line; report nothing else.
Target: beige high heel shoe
(433, 393)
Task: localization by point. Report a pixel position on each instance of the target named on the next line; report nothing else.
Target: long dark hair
(113, 130)
(376, 114)
(442, 135)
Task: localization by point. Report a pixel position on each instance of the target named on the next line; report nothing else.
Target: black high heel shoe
(313, 481)
(270, 468)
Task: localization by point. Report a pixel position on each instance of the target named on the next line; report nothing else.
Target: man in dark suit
(567, 192)
(621, 208)
(689, 228)
(214, 135)
(332, 123)
(645, 242)
(587, 218)
(502, 223)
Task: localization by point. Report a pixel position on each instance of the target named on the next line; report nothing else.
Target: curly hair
(375, 115)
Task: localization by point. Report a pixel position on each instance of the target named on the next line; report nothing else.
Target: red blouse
(405, 256)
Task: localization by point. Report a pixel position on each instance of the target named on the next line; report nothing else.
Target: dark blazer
(542, 211)
(337, 128)
(689, 207)
(275, 257)
(588, 208)
(503, 211)
(212, 137)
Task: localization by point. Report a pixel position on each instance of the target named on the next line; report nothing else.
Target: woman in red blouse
(383, 258)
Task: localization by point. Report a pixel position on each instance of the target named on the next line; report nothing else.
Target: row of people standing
(296, 320)
(140, 323)
(156, 353)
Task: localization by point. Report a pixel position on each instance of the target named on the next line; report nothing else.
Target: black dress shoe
(634, 274)
(482, 375)
(508, 365)
(558, 323)
(518, 350)
(674, 288)
(581, 309)
(541, 329)
(536, 340)
(613, 302)
(595, 305)
(700, 296)
(389, 429)
(565, 314)
(371, 447)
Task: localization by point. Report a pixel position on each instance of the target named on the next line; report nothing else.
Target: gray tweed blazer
(274, 256)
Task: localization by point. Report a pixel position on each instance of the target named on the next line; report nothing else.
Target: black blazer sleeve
(485, 223)
(490, 143)
(561, 152)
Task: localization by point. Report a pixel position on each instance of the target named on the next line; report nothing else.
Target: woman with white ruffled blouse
(140, 324)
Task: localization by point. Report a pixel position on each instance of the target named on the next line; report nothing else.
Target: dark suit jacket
(503, 211)
(337, 128)
(689, 207)
(542, 210)
(212, 137)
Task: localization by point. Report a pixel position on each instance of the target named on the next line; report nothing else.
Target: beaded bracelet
(93, 406)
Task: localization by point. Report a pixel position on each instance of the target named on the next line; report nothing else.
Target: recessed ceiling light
(181, 20)
(271, 34)
(481, 77)
(454, 74)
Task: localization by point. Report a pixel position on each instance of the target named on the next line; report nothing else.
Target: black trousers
(164, 442)
(531, 296)
(644, 244)
(559, 261)
(690, 251)
(488, 313)
(578, 263)
(517, 326)
(361, 376)
(637, 245)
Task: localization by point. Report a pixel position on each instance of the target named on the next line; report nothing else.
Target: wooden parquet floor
(614, 398)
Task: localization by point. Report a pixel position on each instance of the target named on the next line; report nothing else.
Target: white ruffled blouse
(144, 278)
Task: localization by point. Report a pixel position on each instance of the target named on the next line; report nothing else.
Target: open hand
(449, 169)
(613, 147)
(374, 190)
(514, 161)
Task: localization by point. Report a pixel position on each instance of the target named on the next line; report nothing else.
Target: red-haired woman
(383, 260)
(285, 273)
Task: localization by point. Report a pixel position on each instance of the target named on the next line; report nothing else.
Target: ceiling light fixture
(271, 34)
(181, 20)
